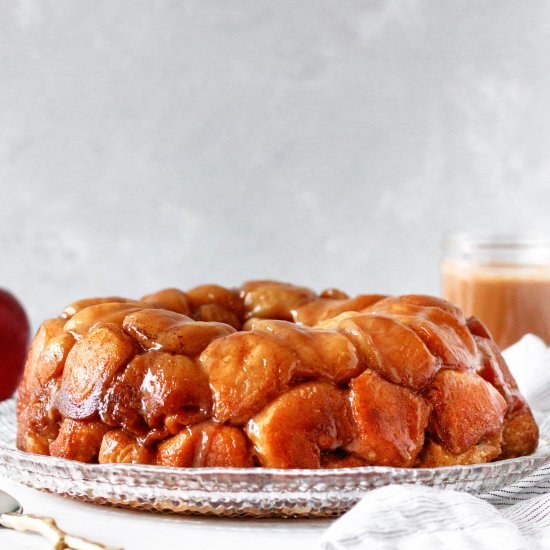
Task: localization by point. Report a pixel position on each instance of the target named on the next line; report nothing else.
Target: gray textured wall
(153, 143)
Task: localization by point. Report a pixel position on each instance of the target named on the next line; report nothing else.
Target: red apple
(14, 341)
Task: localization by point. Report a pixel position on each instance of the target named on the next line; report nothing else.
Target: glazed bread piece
(270, 374)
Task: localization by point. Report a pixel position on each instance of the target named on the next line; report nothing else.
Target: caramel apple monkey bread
(272, 375)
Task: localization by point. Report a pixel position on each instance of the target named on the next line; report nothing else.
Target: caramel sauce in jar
(504, 280)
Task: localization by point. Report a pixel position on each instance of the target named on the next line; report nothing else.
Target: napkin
(410, 517)
(529, 361)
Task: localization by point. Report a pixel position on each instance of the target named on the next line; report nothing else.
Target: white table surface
(144, 530)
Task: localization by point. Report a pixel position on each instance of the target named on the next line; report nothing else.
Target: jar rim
(486, 240)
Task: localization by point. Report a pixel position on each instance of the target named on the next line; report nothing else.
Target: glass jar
(504, 280)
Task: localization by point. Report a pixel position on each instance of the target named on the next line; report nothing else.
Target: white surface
(149, 143)
(144, 531)
(413, 517)
(529, 361)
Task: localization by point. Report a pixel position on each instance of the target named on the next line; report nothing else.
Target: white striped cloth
(410, 517)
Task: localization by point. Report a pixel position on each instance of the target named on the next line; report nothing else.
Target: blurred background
(157, 143)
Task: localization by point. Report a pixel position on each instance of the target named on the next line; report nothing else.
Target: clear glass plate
(255, 492)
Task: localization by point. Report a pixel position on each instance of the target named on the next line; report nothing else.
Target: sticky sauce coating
(270, 375)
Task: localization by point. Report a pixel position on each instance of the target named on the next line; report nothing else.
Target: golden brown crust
(206, 445)
(118, 446)
(246, 370)
(171, 299)
(274, 300)
(293, 430)
(31, 377)
(388, 347)
(520, 434)
(390, 421)
(104, 313)
(90, 366)
(434, 454)
(75, 307)
(317, 311)
(320, 353)
(38, 420)
(79, 440)
(270, 374)
(228, 299)
(466, 410)
(159, 329)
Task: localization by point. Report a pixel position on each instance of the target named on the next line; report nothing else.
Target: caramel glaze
(271, 375)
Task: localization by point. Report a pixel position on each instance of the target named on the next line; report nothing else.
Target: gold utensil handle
(49, 529)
